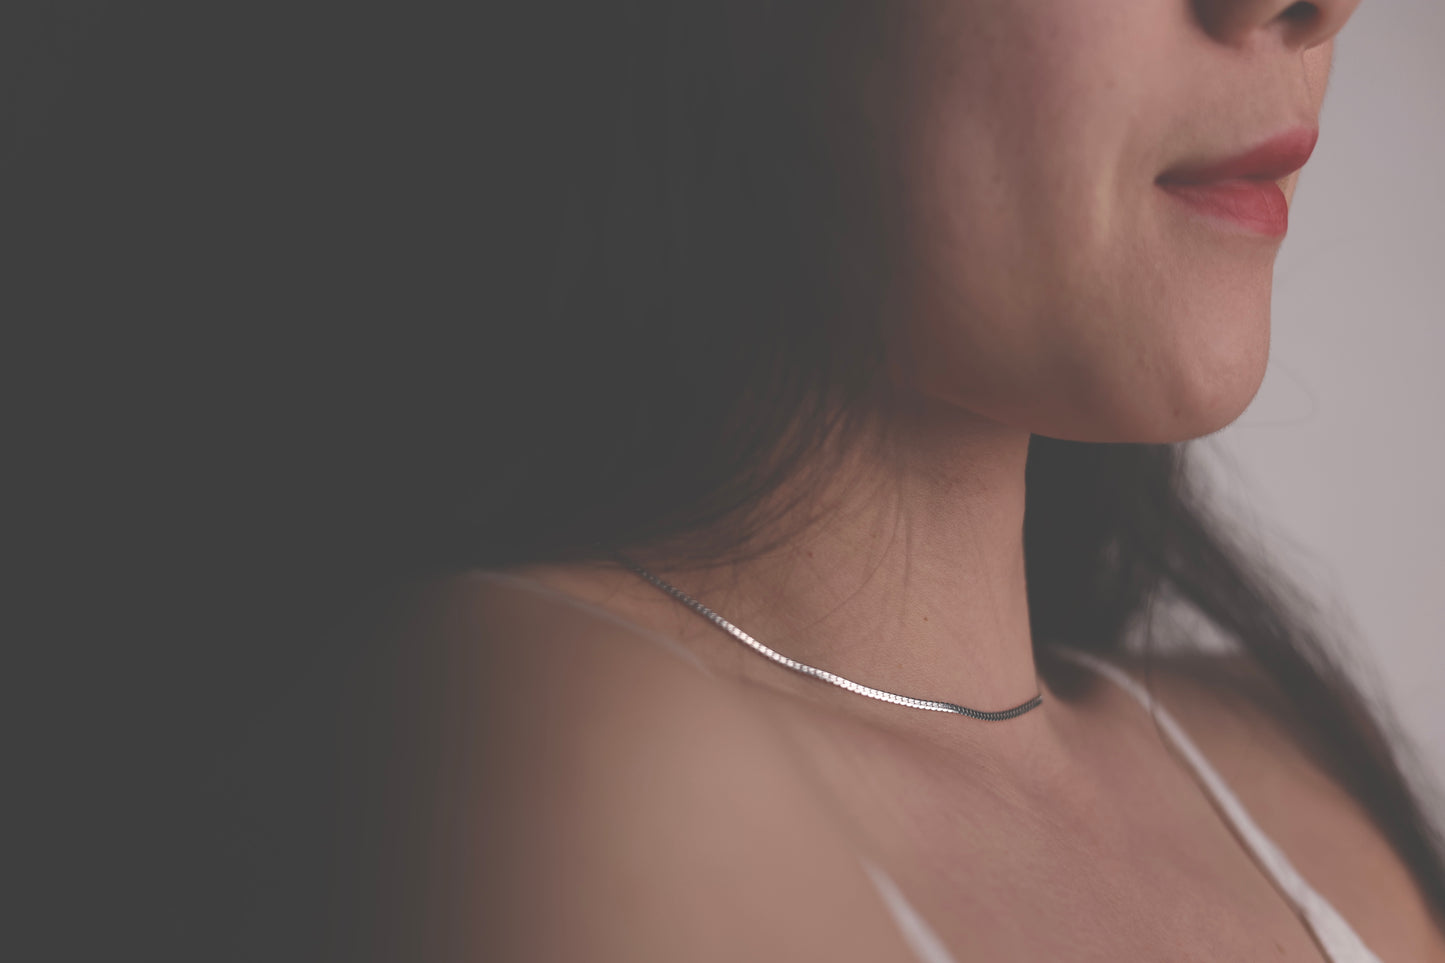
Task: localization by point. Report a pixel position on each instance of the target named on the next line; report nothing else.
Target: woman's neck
(912, 581)
(915, 580)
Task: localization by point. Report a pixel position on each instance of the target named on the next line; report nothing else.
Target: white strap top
(1339, 942)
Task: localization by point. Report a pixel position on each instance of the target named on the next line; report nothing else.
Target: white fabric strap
(919, 936)
(1336, 938)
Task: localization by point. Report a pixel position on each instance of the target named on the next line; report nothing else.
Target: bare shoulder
(613, 802)
(1281, 773)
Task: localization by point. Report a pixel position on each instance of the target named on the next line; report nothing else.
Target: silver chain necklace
(815, 672)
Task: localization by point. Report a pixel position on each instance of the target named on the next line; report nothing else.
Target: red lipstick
(1244, 189)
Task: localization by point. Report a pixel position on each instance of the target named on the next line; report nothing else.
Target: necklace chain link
(822, 674)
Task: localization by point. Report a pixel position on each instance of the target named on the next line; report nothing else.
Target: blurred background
(1339, 464)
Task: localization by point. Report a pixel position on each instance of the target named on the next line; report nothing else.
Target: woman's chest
(1014, 894)
(1135, 865)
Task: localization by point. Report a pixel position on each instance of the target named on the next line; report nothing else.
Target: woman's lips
(1244, 189)
(1259, 206)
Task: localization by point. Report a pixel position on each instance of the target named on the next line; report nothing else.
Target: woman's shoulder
(1290, 781)
(628, 806)
(551, 606)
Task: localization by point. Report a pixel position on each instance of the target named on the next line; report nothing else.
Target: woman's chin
(1189, 390)
(1180, 404)
(1186, 409)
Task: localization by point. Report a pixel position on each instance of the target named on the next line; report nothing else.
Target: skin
(1054, 289)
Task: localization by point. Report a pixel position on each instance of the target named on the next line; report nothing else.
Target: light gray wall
(1340, 461)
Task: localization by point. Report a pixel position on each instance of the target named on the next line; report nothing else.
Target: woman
(874, 330)
(875, 327)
